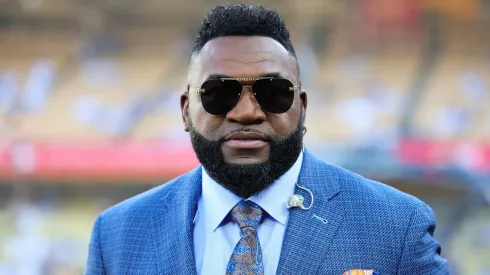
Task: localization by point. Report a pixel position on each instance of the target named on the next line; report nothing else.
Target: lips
(245, 140)
(246, 136)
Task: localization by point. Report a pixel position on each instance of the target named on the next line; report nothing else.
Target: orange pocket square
(360, 272)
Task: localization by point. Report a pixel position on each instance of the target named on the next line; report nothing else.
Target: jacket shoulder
(123, 233)
(143, 205)
(376, 196)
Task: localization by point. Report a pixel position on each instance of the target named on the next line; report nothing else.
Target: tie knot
(246, 214)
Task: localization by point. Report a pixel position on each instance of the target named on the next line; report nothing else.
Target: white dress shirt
(215, 238)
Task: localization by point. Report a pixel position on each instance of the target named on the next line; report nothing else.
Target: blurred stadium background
(89, 102)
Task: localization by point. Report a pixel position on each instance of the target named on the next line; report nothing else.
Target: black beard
(246, 180)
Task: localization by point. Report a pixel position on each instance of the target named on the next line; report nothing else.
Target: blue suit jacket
(355, 223)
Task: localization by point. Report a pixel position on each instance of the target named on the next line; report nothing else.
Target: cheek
(284, 124)
(204, 123)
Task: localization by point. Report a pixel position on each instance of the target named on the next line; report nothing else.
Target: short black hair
(242, 20)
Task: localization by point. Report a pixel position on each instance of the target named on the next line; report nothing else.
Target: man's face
(243, 57)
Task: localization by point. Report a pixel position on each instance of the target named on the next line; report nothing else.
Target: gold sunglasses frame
(252, 79)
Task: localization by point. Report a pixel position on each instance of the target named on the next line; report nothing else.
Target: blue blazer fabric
(355, 223)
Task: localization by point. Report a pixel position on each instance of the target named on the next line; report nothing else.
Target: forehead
(242, 56)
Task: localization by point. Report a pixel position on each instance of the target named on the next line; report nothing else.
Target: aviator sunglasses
(219, 96)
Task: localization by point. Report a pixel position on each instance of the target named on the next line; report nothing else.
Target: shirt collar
(216, 201)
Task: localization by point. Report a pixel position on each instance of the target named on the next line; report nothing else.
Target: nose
(247, 111)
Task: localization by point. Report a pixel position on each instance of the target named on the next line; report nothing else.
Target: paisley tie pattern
(247, 255)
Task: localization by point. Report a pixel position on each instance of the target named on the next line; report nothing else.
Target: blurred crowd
(110, 84)
(358, 112)
(30, 250)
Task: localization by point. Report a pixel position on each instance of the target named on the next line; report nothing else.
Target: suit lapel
(310, 233)
(173, 226)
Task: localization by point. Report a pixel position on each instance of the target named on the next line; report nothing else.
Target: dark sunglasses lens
(274, 95)
(220, 96)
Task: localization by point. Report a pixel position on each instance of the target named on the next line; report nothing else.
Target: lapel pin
(323, 220)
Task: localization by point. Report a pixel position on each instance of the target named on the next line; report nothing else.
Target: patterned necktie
(247, 256)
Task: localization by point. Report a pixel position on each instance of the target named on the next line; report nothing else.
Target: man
(245, 112)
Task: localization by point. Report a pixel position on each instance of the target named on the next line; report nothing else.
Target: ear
(304, 103)
(184, 107)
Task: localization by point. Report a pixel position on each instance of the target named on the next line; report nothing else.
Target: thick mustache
(244, 130)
